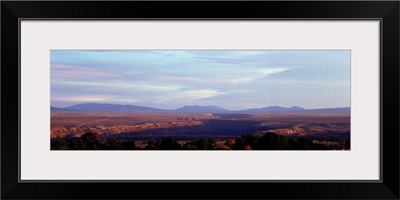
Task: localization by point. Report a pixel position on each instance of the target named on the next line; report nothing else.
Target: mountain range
(97, 107)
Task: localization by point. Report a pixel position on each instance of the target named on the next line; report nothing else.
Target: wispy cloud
(60, 70)
(274, 70)
(118, 85)
(241, 80)
(197, 94)
(170, 78)
(189, 95)
(95, 99)
(90, 98)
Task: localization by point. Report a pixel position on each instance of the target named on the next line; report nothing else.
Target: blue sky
(233, 79)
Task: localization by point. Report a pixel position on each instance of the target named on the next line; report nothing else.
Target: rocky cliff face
(294, 131)
(78, 131)
(189, 127)
(201, 127)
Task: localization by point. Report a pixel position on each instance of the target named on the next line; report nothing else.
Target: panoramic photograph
(155, 100)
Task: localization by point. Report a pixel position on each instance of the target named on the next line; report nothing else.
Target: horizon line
(202, 106)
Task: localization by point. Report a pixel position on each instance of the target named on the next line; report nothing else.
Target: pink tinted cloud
(58, 70)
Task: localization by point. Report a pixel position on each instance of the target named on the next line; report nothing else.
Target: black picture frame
(386, 11)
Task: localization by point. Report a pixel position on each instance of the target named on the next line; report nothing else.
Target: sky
(232, 79)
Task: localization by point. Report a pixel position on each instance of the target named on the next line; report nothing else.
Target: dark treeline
(269, 141)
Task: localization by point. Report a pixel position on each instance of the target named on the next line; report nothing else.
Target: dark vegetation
(269, 141)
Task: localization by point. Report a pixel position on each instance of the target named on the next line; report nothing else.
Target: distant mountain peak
(274, 107)
(107, 107)
(216, 107)
(297, 108)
